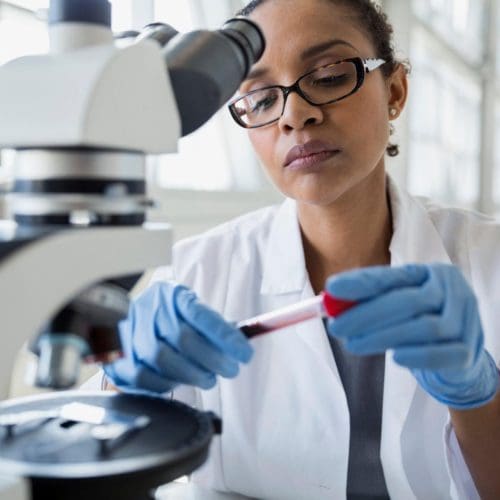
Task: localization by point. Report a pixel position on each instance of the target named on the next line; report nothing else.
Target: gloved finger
(393, 308)
(454, 355)
(212, 326)
(470, 327)
(144, 339)
(461, 312)
(420, 331)
(170, 364)
(127, 371)
(126, 374)
(206, 354)
(366, 283)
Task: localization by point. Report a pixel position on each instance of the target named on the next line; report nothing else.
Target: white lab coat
(285, 417)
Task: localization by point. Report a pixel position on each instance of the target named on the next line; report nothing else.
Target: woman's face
(303, 35)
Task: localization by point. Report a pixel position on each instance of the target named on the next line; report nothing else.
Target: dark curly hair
(375, 22)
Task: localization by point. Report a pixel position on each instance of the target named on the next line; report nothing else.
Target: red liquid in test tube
(321, 306)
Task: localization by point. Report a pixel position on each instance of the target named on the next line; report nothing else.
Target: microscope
(82, 120)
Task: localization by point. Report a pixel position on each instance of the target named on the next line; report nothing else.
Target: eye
(331, 80)
(261, 102)
(264, 104)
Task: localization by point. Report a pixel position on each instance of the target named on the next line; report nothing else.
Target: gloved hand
(170, 338)
(429, 316)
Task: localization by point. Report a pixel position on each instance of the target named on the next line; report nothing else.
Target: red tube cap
(335, 307)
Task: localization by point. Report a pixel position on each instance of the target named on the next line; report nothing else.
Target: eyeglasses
(321, 86)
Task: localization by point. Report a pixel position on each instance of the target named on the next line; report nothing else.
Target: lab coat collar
(284, 262)
(415, 238)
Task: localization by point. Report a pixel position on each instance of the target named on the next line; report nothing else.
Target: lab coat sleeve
(473, 244)
(95, 383)
(183, 393)
(462, 485)
(483, 238)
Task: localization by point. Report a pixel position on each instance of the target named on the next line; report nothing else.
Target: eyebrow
(308, 53)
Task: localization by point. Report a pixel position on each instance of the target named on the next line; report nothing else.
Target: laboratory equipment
(73, 459)
(76, 412)
(323, 305)
(82, 120)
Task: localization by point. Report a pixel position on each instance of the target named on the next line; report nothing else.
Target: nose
(299, 113)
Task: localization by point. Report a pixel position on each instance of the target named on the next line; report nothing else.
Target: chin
(320, 193)
(354, 183)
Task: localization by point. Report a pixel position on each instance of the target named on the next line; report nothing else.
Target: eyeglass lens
(326, 84)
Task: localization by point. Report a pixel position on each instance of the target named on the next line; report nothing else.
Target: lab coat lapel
(415, 240)
(284, 270)
(285, 281)
(285, 276)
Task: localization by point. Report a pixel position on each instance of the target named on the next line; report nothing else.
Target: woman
(401, 398)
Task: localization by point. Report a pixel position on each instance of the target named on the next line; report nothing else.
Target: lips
(311, 150)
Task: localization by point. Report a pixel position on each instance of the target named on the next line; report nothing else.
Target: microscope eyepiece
(248, 36)
(207, 67)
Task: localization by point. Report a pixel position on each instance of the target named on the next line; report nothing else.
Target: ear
(397, 90)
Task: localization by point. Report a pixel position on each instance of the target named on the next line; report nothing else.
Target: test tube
(322, 306)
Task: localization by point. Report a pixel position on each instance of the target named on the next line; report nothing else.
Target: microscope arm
(33, 292)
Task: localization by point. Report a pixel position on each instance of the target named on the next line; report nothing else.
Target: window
(459, 22)
(444, 126)
(496, 192)
(496, 189)
(452, 49)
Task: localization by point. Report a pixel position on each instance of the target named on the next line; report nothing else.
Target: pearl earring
(393, 112)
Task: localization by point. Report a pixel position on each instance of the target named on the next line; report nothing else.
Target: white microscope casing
(95, 96)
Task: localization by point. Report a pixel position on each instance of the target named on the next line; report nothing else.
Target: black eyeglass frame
(363, 67)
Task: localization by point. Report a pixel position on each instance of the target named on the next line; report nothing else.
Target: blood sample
(321, 306)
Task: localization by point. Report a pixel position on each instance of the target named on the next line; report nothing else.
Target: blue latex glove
(170, 338)
(429, 316)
